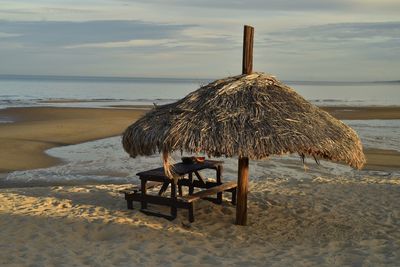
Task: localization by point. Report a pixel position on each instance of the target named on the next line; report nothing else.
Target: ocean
(104, 161)
(23, 90)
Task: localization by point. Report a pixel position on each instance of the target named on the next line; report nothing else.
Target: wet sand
(364, 113)
(382, 159)
(37, 129)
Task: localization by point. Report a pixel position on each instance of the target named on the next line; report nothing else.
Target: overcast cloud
(295, 40)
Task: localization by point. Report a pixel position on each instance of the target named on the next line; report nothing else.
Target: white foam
(105, 161)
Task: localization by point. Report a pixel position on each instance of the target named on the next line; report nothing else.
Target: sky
(345, 40)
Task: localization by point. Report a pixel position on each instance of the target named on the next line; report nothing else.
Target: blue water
(16, 91)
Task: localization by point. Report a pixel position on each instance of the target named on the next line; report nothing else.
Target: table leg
(174, 210)
(233, 200)
(200, 177)
(180, 189)
(143, 191)
(191, 188)
(130, 204)
(163, 188)
(191, 212)
(219, 181)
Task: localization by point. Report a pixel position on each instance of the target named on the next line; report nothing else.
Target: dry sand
(319, 222)
(292, 222)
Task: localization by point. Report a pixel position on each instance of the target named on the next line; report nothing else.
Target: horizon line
(163, 79)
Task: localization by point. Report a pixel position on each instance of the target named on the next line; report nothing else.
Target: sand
(314, 222)
(364, 113)
(382, 159)
(37, 129)
(320, 221)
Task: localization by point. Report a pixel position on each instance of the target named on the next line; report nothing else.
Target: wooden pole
(242, 189)
(247, 62)
(243, 162)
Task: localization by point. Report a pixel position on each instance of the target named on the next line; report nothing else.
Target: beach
(297, 220)
(318, 222)
(37, 129)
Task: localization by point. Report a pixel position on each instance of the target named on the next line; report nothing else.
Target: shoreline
(363, 113)
(37, 129)
(34, 130)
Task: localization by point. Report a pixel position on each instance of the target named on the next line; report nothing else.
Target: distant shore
(36, 129)
(364, 113)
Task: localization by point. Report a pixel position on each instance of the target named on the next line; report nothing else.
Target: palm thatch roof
(252, 116)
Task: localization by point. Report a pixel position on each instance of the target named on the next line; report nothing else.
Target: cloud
(67, 33)
(343, 51)
(252, 4)
(280, 5)
(129, 43)
(339, 36)
(189, 38)
(345, 31)
(8, 35)
(185, 38)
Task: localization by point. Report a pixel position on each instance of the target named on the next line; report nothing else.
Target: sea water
(19, 91)
(104, 161)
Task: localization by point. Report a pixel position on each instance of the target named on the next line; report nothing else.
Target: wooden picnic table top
(180, 169)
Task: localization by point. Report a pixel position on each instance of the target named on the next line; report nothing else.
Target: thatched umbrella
(249, 116)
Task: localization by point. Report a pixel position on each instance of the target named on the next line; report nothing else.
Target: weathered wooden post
(248, 40)
(243, 162)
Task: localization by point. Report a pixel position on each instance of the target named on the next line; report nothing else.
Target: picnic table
(189, 176)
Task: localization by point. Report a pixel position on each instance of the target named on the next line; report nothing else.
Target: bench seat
(185, 202)
(134, 189)
(208, 192)
(203, 194)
